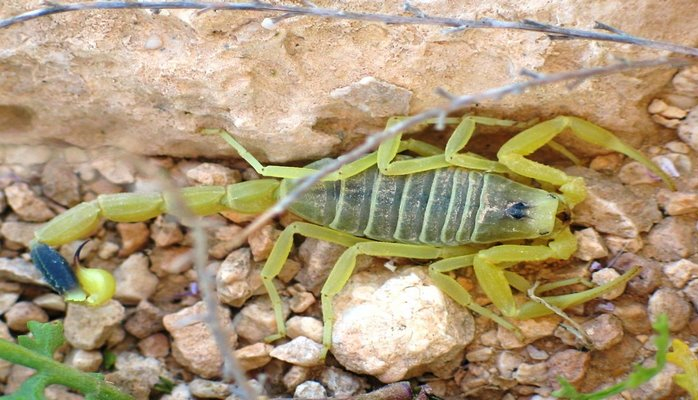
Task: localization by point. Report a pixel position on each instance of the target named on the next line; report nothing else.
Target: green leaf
(639, 376)
(47, 337)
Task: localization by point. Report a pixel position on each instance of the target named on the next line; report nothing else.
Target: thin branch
(457, 103)
(457, 24)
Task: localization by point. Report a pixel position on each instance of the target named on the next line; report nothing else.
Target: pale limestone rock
(255, 321)
(612, 208)
(301, 301)
(27, 155)
(209, 389)
(677, 203)
(134, 281)
(531, 329)
(20, 313)
(165, 232)
(7, 300)
(673, 304)
(374, 97)
(254, 356)
(224, 239)
(133, 237)
(238, 278)
(18, 234)
(590, 245)
(688, 130)
(680, 272)
(88, 328)
(116, 170)
(262, 241)
(108, 250)
(60, 184)
(304, 326)
(605, 331)
(137, 374)
(22, 271)
(279, 103)
(299, 351)
(295, 376)
(480, 354)
(145, 321)
(213, 174)
(309, 390)
(671, 239)
(531, 374)
(50, 301)
(340, 383)
(27, 204)
(649, 278)
(193, 344)
(156, 345)
(84, 360)
(507, 362)
(607, 275)
(394, 326)
(569, 364)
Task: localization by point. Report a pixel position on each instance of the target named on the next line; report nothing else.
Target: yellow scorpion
(455, 207)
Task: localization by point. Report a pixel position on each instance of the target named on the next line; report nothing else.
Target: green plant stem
(57, 373)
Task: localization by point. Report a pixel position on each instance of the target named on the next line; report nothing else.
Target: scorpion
(454, 208)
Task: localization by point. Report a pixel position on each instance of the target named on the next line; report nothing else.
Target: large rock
(310, 86)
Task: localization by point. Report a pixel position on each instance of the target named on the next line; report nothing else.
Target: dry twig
(417, 17)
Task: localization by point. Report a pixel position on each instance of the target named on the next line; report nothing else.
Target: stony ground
(392, 323)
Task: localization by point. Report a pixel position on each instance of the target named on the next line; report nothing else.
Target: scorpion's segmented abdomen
(436, 207)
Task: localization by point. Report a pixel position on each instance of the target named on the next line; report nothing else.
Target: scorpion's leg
(461, 136)
(496, 282)
(513, 152)
(279, 255)
(343, 268)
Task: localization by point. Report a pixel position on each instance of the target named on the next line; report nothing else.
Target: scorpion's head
(512, 211)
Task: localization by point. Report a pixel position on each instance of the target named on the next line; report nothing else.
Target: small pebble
(677, 147)
(165, 232)
(569, 364)
(84, 360)
(531, 374)
(254, 356)
(677, 203)
(145, 321)
(136, 374)
(688, 129)
(171, 260)
(7, 300)
(299, 351)
(107, 250)
(22, 312)
(673, 304)
(301, 301)
(256, 320)
(590, 245)
(680, 272)
(295, 376)
(27, 204)
(134, 281)
(238, 278)
(340, 383)
(536, 353)
(153, 42)
(28, 155)
(304, 326)
(213, 174)
(605, 331)
(671, 239)
(156, 345)
(507, 363)
(605, 276)
(133, 237)
(209, 389)
(310, 390)
(60, 184)
(114, 170)
(531, 329)
(633, 316)
(481, 354)
(635, 173)
(193, 345)
(89, 328)
(50, 301)
(262, 241)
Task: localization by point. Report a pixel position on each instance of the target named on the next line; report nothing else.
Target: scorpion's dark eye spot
(518, 210)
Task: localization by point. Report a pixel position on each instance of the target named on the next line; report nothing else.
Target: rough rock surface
(394, 326)
(294, 91)
(88, 328)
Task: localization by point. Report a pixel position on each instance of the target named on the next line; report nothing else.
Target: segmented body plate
(437, 207)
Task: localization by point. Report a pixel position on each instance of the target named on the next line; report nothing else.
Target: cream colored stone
(142, 73)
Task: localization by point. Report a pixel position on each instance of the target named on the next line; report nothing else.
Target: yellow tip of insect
(99, 286)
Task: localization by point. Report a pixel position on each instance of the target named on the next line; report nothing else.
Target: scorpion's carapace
(451, 206)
